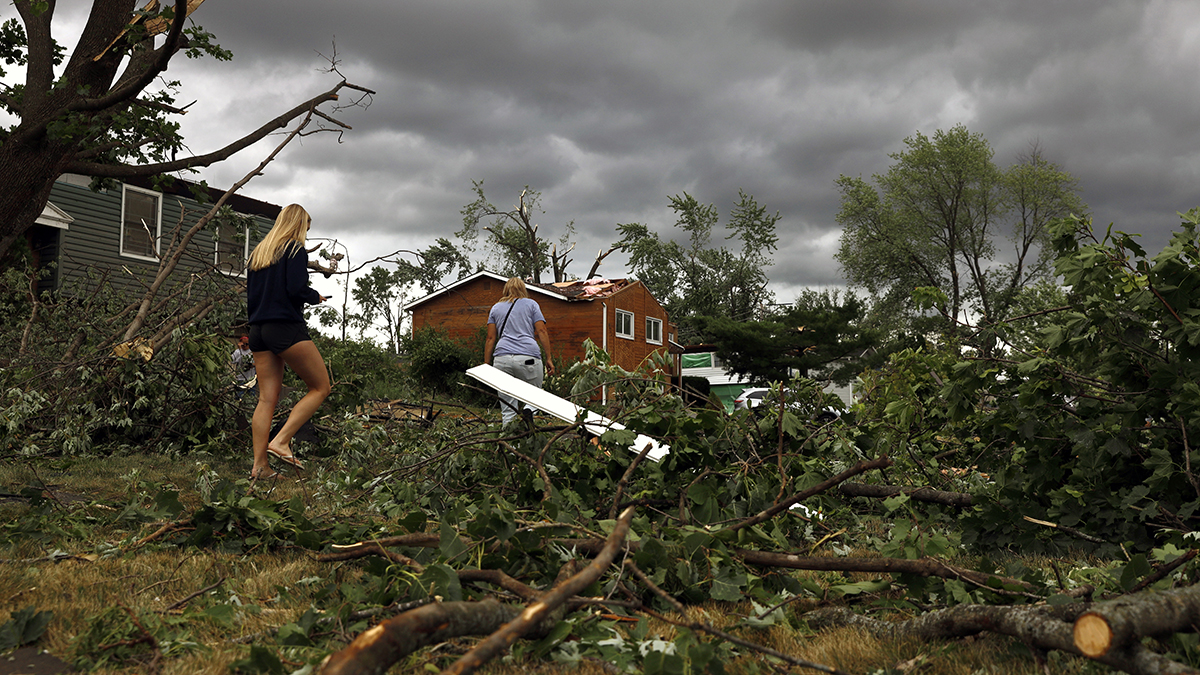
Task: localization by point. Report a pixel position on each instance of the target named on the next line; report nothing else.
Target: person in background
(243, 366)
(515, 328)
(276, 291)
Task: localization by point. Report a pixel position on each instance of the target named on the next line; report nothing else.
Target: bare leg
(305, 360)
(269, 369)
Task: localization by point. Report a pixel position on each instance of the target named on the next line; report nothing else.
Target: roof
(183, 188)
(592, 289)
(570, 291)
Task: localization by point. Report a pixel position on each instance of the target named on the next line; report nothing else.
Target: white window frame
(157, 224)
(626, 318)
(245, 251)
(654, 335)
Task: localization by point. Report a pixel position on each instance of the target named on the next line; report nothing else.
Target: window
(654, 331)
(140, 216)
(624, 324)
(233, 248)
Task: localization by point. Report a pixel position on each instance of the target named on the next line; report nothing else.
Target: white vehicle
(752, 397)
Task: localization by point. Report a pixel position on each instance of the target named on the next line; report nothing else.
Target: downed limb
(378, 648)
(926, 567)
(1044, 627)
(1115, 624)
(767, 514)
(922, 494)
(535, 614)
(1063, 528)
(703, 627)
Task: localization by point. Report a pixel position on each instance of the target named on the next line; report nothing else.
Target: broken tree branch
(502, 639)
(861, 467)
(926, 567)
(921, 494)
(701, 626)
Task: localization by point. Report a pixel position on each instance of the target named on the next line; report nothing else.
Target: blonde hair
(514, 289)
(288, 233)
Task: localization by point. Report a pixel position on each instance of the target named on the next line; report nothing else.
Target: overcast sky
(608, 108)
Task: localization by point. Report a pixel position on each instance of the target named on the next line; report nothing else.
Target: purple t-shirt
(518, 337)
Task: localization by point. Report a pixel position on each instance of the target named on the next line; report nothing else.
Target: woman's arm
(297, 278)
(489, 344)
(543, 338)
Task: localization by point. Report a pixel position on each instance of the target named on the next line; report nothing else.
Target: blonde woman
(515, 328)
(276, 291)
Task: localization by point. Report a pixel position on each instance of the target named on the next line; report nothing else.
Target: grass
(109, 578)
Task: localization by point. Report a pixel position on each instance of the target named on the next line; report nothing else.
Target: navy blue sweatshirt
(277, 293)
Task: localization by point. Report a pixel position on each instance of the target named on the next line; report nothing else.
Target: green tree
(937, 220)
(380, 295)
(696, 278)
(433, 265)
(100, 114)
(515, 249)
(823, 336)
(1095, 425)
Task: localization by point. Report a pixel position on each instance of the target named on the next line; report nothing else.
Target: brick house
(618, 315)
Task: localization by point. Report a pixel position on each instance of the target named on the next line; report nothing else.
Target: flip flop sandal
(286, 459)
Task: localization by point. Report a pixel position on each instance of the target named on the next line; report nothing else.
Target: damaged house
(618, 315)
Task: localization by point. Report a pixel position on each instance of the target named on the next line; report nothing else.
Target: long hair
(514, 289)
(288, 233)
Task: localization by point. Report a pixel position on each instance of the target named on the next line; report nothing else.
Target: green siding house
(114, 237)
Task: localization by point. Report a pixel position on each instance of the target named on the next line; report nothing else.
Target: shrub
(436, 362)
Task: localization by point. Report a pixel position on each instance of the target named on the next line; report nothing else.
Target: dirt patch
(29, 661)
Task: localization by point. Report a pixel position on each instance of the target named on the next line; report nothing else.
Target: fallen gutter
(561, 408)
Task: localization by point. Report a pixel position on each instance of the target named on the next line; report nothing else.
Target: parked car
(753, 397)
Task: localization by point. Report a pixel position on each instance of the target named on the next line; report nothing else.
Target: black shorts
(276, 337)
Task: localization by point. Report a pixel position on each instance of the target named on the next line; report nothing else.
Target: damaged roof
(591, 289)
(596, 288)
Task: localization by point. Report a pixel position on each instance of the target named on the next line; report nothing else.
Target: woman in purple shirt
(515, 328)
(276, 291)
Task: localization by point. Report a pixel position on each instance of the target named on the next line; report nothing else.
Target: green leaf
(1133, 572)
(261, 661)
(450, 544)
(223, 614)
(442, 580)
(846, 590)
(662, 663)
(24, 627)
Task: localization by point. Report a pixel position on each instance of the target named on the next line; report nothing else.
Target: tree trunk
(27, 174)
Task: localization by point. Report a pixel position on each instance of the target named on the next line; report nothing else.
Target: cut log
(1042, 626)
(1113, 624)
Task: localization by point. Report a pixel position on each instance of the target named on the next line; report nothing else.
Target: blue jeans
(525, 368)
